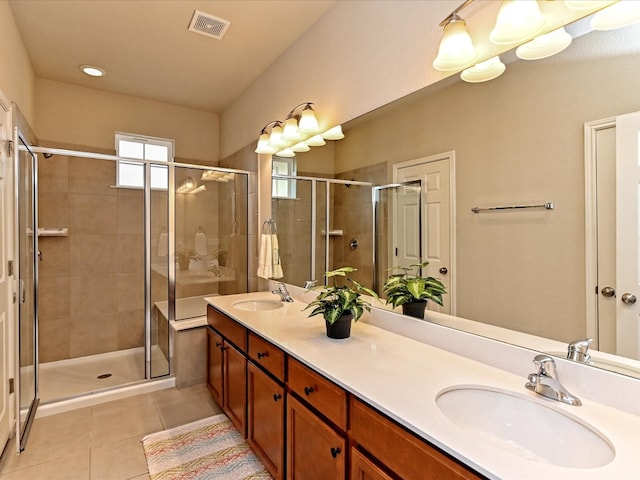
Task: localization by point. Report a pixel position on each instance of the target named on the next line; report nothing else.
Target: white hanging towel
(265, 260)
(276, 271)
(200, 244)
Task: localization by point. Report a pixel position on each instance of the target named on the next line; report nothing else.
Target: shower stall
(323, 224)
(109, 267)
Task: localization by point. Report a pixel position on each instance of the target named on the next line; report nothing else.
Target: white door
(5, 280)
(406, 232)
(437, 222)
(628, 234)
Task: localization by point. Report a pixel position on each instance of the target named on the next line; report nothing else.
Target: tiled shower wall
(91, 281)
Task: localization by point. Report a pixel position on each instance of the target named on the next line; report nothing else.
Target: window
(131, 174)
(281, 187)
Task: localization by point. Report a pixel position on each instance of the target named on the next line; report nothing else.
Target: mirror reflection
(517, 140)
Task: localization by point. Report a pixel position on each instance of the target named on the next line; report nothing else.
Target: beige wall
(517, 140)
(17, 79)
(84, 116)
(358, 56)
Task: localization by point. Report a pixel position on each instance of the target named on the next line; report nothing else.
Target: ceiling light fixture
(456, 50)
(297, 133)
(484, 71)
(517, 21)
(618, 15)
(545, 45)
(92, 70)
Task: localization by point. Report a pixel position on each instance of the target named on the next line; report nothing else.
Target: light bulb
(518, 20)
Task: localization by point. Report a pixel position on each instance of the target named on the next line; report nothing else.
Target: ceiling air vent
(208, 25)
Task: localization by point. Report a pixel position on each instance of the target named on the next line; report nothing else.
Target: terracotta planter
(341, 328)
(415, 309)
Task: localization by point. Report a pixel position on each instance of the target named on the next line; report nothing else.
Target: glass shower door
(27, 331)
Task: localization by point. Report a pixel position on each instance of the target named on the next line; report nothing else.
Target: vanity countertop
(402, 377)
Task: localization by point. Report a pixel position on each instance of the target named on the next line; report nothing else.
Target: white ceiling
(148, 52)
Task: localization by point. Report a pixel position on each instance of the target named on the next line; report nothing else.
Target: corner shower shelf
(53, 232)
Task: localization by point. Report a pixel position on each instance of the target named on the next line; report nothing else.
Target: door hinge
(12, 386)
(8, 147)
(10, 267)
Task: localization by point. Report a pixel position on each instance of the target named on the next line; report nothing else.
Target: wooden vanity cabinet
(315, 451)
(214, 365)
(266, 404)
(363, 468)
(227, 367)
(265, 422)
(407, 456)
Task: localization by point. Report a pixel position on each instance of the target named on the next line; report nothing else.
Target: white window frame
(145, 141)
(290, 185)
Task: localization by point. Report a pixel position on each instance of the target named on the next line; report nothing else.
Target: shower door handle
(23, 292)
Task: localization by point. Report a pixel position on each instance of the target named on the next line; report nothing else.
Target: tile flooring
(103, 442)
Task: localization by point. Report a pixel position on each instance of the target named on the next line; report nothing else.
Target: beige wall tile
(53, 209)
(54, 297)
(93, 214)
(93, 294)
(130, 329)
(93, 254)
(93, 333)
(92, 176)
(130, 291)
(55, 256)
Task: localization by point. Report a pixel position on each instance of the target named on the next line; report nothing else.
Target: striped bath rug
(210, 448)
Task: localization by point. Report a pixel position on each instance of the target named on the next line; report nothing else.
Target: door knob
(443, 270)
(608, 291)
(628, 298)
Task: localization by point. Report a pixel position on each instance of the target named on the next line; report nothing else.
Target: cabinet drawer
(267, 356)
(406, 455)
(228, 328)
(329, 399)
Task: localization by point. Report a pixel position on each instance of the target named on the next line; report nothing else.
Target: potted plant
(340, 304)
(412, 291)
(184, 257)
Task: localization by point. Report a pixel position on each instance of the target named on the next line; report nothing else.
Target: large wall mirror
(517, 140)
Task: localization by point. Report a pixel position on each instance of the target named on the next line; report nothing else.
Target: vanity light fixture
(618, 15)
(297, 133)
(587, 4)
(92, 70)
(484, 71)
(545, 45)
(263, 146)
(456, 48)
(315, 141)
(334, 133)
(301, 147)
(517, 21)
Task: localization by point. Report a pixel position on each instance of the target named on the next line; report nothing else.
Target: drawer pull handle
(218, 344)
(262, 355)
(226, 347)
(276, 397)
(335, 451)
(308, 391)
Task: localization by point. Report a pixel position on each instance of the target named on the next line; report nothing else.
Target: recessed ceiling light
(93, 71)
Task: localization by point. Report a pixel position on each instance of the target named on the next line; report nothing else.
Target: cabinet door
(314, 450)
(214, 365)
(364, 469)
(265, 429)
(235, 386)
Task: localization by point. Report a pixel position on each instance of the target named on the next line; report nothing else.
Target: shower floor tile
(70, 378)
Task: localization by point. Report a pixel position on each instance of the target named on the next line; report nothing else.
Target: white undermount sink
(258, 305)
(525, 427)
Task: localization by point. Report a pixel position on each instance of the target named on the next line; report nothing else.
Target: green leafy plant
(410, 287)
(334, 300)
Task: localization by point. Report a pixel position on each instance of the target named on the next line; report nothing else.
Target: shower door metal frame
(375, 200)
(147, 236)
(329, 182)
(23, 139)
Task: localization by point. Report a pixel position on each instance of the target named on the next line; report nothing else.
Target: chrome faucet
(545, 382)
(283, 292)
(577, 351)
(309, 284)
